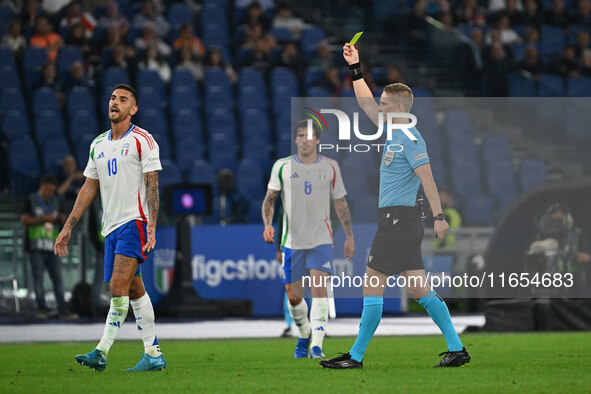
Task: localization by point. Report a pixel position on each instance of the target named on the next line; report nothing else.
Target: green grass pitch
(523, 363)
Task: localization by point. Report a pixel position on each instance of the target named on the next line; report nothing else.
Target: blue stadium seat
(314, 76)
(9, 77)
(45, 99)
(150, 98)
(48, 124)
(573, 31)
(114, 76)
(83, 122)
(178, 14)
(79, 99)
(550, 86)
(170, 174)
(24, 166)
(216, 80)
(184, 99)
(213, 14)
(53, 151)
(259, 151)
(15, 124)
(249, 180)
(67, 56)
(255, 124)
(309, 40)
(552, 42)
(578, 87)
(478, 211)
(12, 99)
(251, 98)
(224, 124)
(251, 78)
(318, 92)
(520, 86)
(182, 78)
(188, 149)
(153, 121)
(163, 145)
(282, 34)
(150, 79)
(201, 172)
(187, 123)
(222, 152)
(216, 36)
(532, 173)
(33, 59)
(82, 147)
(7, 57)
(283, 77)
(467, 183)
(502, 184)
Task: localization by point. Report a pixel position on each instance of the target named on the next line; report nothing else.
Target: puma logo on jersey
(294, 175)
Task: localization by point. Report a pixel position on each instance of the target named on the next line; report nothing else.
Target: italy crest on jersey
(125, 149)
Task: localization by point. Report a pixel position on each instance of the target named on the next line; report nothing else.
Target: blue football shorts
(127, 240)
(296, 262)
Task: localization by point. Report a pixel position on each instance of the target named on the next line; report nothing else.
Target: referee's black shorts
(396, 246)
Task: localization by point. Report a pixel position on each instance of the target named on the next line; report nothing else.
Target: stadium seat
(550, 86)
(259, 151)
(48, 124)
(45, 99)
(201, 172)
(79, 99)
(151, 99)
(15, 124)
(467, 183)
(318, 92)
(170, 175)
(282, 34)
(216, 80)
(216, 36)
(33, 59)
(82, 146)
(532, 173)
(249, 180)
(502, 184)
(83, 122)
(7, 57)
(24, 166)
(114, 76)
(182, 78)
(163, 145)
(187, 123)
(213, 14)
(150, 79)
(12, 99)
(53, 151)
(67, 56)
(251, 98)
(578, 87)
(153, 121)
(184, 99)
(314, 76)
(188, 149)
(178, 14)
(520, 86)
(223, 124)
(255, 124)
(281, 78)
(251, 78)
(552, 42)
(222, 152)
(309, 40)
(478, 211)
(9, 77)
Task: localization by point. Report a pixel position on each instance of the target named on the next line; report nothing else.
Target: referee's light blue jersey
(399, 184)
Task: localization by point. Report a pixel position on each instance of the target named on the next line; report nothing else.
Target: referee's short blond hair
(402, 94)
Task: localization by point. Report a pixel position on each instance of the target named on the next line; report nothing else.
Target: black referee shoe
(344, 361)
(454, 359)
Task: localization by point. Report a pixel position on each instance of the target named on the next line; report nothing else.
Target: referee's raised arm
(362, 91)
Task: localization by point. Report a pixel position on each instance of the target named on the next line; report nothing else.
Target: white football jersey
(119, 165)
(306, 190)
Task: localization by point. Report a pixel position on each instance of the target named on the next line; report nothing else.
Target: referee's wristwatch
(440, 216)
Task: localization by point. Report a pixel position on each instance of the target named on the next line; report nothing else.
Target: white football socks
(318, 319)
(115, 318)
(145, 322)
(299, 314)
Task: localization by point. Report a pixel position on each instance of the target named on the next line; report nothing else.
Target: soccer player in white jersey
(307, 181)
(124, 162)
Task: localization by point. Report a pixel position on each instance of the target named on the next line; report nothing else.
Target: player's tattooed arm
(342, 208)
(152, 195)
(269, 206)
(85, 196)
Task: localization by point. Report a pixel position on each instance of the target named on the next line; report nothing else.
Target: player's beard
(120, 117)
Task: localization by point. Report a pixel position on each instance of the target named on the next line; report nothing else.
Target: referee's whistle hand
(441, 227)
(269, 234)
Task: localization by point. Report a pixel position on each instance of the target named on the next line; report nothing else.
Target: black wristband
(356, 73)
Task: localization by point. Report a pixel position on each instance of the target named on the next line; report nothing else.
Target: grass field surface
(525, 363)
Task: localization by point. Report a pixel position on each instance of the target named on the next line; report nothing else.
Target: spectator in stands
(50, 79)
(285, 18)
(53, 7)
(14, 39)
(583, 16)
(76, 76)
(498, 5)
(416, 24)
(324, 57)
(188, 40)
(494, 38)
(496, 72)
(290, 58)
(266, 4)
(531, 63)
(471, 13)
(531, 36)
(557, 15)
(77, 37)
(189, 61)
(454, 219)
(582, 43)
(585, 67)
(46, 38)
(148, 15)
(332, 82)
(566, 65)
(149, 38)
(255, 14)
(29, 14)
(252, 33)
(124, 57)
(393, 75)
(507, 36)
(214, 60)
(113, 18)
(532, 15)
(70, 181)
(153, 60)
(42, 216)
(513, 13)
(446, 19)
(258, 58)
(75, 16)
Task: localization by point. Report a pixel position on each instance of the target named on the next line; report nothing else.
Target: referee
(396, 247)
